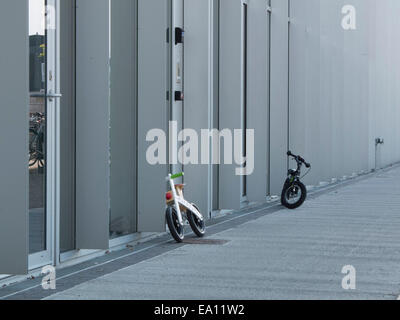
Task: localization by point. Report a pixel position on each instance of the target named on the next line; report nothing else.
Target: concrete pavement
(283, 255)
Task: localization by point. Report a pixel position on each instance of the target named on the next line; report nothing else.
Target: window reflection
(37, 127)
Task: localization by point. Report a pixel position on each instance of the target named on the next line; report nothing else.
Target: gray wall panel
(14, 90)
(361, 115)
(336, 39)
(381, 80)
(337, 88)
(279, 95)
(67, 129)
(371, 86)
(231, 94)
(152, 110)
(325, 97)
(257, 95)
(215, 123)
(298, 80)
(123, 115)
(385, 80)
(343, 87)
(313, 109)
(197, 93)
(92, 125)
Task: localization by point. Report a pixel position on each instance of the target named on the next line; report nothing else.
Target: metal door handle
(48, 95)
(54, 95)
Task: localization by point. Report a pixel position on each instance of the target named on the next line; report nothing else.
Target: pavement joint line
(276, 204)
(83, 270)
(144, 249)
(130, 254)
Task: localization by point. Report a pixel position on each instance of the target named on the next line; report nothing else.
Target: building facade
(117, 69)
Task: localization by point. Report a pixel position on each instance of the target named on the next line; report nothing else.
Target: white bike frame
(180, 201)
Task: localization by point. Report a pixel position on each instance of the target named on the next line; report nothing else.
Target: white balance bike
(179, 210)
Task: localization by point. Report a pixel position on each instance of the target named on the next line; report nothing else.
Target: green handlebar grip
(176, 176)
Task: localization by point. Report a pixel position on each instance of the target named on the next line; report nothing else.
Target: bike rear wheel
(293, 195)
(176, 229)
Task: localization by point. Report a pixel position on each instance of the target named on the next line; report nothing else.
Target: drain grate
(215, 242)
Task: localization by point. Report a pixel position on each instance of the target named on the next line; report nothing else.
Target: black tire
(290, 189)
(176, 229)
(198, 227)
(41, 152)
(33, 157)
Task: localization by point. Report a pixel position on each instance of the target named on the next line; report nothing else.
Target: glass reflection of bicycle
(37, 128)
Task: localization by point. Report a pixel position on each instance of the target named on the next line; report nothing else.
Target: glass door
(43, 117)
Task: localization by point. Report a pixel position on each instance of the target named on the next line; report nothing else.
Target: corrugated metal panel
(152, 110)
(92, 125)
(197, 93)
(231, 94)
(14, 90)
(279, 95)
(257, 95)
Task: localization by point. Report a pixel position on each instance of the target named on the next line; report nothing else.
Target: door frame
(52, 96)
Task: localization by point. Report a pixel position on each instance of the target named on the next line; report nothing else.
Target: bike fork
(176, 202)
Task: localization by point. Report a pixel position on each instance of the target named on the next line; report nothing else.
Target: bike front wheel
(198, 226)
(174, 226)
(294, 195)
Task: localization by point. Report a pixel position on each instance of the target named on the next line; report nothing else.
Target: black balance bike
(294, 192)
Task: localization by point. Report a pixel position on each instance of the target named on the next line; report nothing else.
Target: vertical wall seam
(269, 99)
(288, 83)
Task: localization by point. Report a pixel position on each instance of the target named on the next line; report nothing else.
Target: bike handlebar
(176, 176)
(299, 159)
